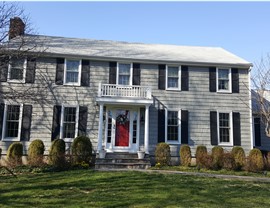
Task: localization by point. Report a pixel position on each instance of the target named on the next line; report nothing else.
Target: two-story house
(130, 96)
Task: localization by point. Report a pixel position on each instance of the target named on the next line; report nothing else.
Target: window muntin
(17, 69)
(224, 128)
(124, 74)
(224, 79)
(12, 121)
(72, 71)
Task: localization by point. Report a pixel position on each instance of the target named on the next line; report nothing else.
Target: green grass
(87, 188)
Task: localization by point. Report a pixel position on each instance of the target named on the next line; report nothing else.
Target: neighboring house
(131, 96)
(260, 138)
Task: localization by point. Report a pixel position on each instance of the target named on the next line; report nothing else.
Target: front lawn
(87, 188)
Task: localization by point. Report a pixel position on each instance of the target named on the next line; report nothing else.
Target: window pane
(172, 126)
(72, 77)
(172, 77)
(73, 65)
(16, 69)
(223, 79)
(224, 127)
(12, 122)
(69, 123)
(124, 74)
(223, 84)
(223, 73)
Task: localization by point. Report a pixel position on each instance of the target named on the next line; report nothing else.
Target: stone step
(122, 166)
(122, 160)
(121, 155)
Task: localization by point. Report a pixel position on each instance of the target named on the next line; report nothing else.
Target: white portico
(123, 119)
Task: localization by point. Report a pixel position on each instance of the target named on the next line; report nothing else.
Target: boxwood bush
(163, 154)
(35, 152)
(217, 154)
(239, 157)
(228, 161)
(57, 153)
(15, 153)
(255, 161)
(185, 155)
(201, 152)
(82, 150)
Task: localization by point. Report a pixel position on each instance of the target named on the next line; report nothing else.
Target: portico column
(100, 127)
(146, 130)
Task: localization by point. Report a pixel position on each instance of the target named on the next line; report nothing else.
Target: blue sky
(239, 27)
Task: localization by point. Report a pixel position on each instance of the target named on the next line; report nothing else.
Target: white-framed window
(12, 122)
(173, 77)
(17, 69)
(224, 79)
(124, 74)
(172, 126)
(69, 122)
(225, 130)
(72, 72)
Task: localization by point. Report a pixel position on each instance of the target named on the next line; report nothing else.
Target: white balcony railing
(132, 91)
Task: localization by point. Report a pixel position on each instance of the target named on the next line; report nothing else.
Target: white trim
(230, 143)
(179, 78)
(230, 80)
(130, 72)
(62, 121)
(79, 72)
(24, 73)
(252, 142)
(5, 121)
(179, 126)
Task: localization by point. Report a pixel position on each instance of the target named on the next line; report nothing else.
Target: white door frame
(110, 146)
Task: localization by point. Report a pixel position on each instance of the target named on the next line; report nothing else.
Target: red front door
(122, 134)
(122, 131)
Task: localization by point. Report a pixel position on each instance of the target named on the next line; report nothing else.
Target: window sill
(173, 142)
(72, 84)
(173, 89)
(22, 81)
(68, 139)
(225, 144)
(224, 92)
(11, 139)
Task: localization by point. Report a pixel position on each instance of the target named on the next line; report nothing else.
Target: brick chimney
(16, 27)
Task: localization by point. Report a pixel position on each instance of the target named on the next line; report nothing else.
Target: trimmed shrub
(15, 153)
(82, 150)
(217, 154)
(206, 161)
(267, 161)
(239, 157)
(255, 161)
(57, 153)
(201, 151)
(185, 155)
(228, 161)
(163, 154)
(35, 152)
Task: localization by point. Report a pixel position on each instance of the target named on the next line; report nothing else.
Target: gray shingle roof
(140, 51)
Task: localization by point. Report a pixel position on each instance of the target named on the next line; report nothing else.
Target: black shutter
(213, 128)
(112, 75)
(30, 70)
(161, 125)
(56, 122)
(2, 108)
(82, 121)
(184, 78)
(212, 79)
(257, 131)
(85, 73)
(26, 122)
(236, 129)
(161, 77)
(235, 80)
(184, 127)
(4, 61)
(59, 77)
(136, 80)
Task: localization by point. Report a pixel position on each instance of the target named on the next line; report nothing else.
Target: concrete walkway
(210, 175)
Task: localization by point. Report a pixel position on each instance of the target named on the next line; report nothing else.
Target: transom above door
(122, 129)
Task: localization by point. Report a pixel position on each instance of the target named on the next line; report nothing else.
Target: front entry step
(122, 161)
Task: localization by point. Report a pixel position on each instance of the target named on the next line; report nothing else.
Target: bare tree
(19, 49)
(261, 91)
